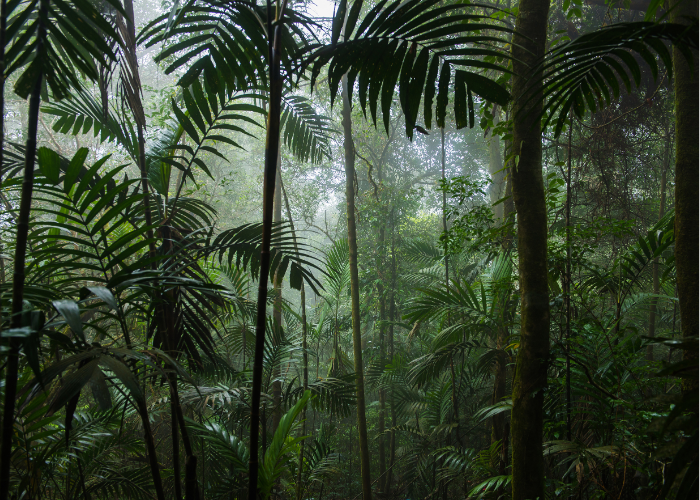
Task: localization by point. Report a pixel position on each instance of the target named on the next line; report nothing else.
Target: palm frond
(585, 73)
(304, 131)
(409, 44)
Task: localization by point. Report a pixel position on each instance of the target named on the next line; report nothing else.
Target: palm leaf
(585, 74)
(408, 44)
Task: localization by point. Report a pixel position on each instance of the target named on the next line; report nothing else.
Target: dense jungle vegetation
(474, 275)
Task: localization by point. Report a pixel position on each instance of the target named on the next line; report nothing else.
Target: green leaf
(71, 313)
(49, 164)
(74, 168)
(442, 97)
(338, 21)
(73, 383)
(105, 295)
(127, 378)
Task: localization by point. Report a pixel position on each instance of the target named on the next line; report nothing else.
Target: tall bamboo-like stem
(530, 378)
(20, 258)
(355, 294)
(151, 449)
(455, 406)
(175, 438)
(444, 206)
(277, 306)
(271, 153)
(655, 265)
(131, 87)
(381, 424)
(499, 423)
(304, 345)
(392, 315)
(191, 487)
(3, 25)
(567, 284)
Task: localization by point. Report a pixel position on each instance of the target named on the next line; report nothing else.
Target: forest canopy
(433, 249)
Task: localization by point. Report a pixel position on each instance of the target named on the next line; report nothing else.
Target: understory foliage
(129, 261)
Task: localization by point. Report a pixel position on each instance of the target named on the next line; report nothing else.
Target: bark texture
(686, 223)
(529, 197)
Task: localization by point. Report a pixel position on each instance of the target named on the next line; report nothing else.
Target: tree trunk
(567, 284)
(496, 171)
(277, 306)
(19, 263)
(655, 264)
(392, 316)
(381, 260)
(304, 347)
(686, 191)
(686, 222)
(355, 294)
(271, 152)
(528, 194)
(503, 188)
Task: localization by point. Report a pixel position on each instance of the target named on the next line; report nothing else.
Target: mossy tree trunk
(529, 197)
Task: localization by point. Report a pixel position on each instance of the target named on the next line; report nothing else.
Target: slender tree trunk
(381, 259)
(12, 372)
(175, 438)
(381, 424)
(528, 193)
(455, 406)
(277, 306)
(3, 25)
(392, 316)
(567, 284)
(355, 294)
(271, 153)
(496, 171)
(151, 450)
(444, 207)
(304, 346)
(687, 166)
(191, 484)
(502, 188)
(131, 87)
(655, 264)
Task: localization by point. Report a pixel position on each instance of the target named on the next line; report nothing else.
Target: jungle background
(135, 151)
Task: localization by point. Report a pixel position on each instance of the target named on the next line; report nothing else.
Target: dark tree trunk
(271, 152)
(18, 279)
(355, 295)
(277, 307)
(528, 194)
(687, 164)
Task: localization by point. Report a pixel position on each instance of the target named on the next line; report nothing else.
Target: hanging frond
(421, 46)
(585, 74)
(240, 246)
(304, 131)
(333, 395)
(59, 41)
